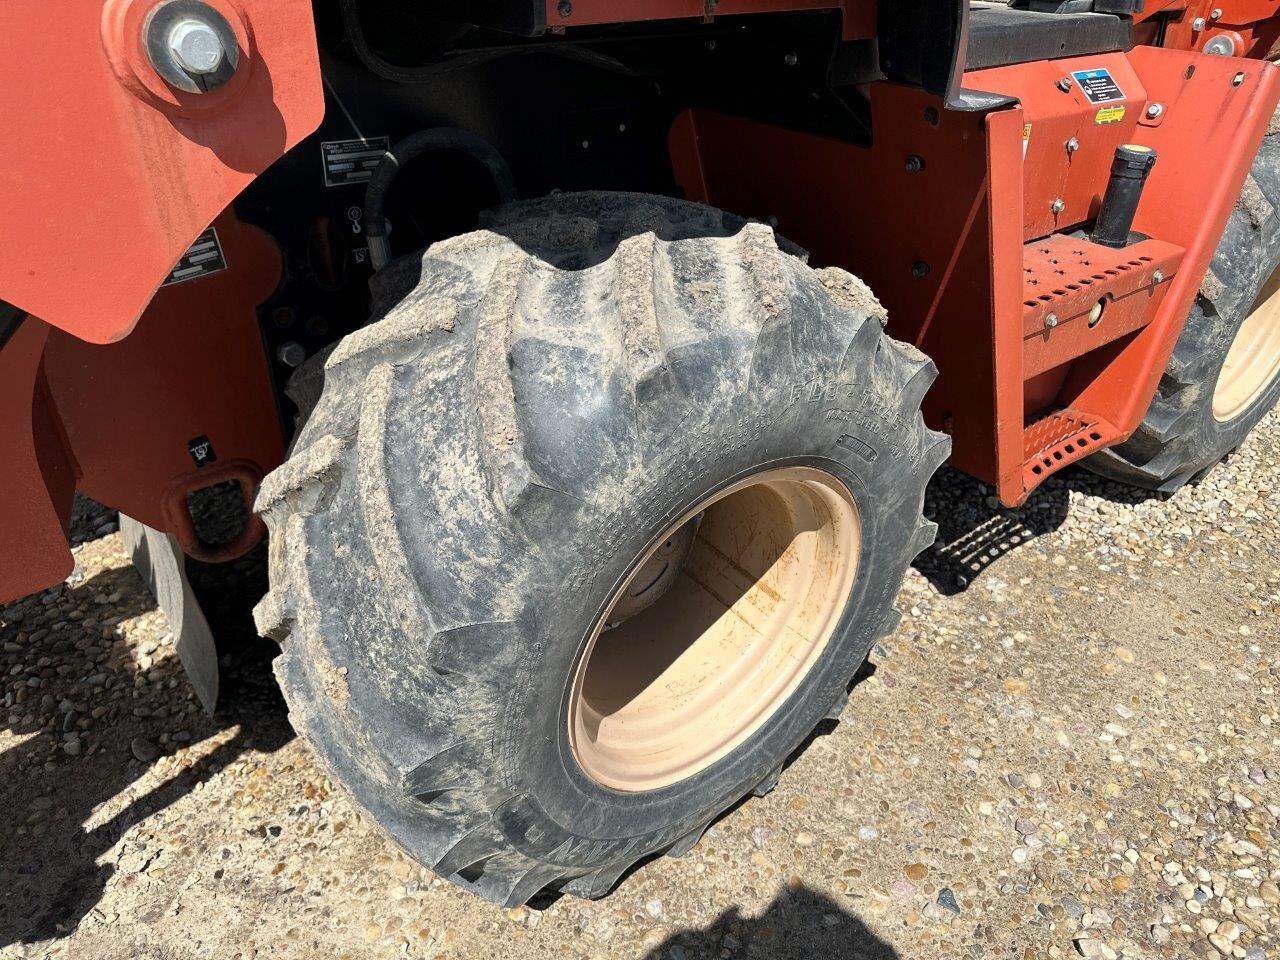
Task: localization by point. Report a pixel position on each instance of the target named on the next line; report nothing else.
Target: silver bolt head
(1197, 24)
(1158, 277)
(196, 46)
(1220, 46)
(1215, 13)
(1057, 206)
(1073, 145)
(1051, 320)
(1154, 110)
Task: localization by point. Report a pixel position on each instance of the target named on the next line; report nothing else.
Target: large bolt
(1198, 24)
(1057, 206)
(291, 353)
(191, 45)
(1221, 46)
(196, 46)
(1155, 110)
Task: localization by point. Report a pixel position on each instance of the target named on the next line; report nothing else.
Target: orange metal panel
(39, 476)
(1216, 112)
(1066, 278)
(1253, 25)
(940, 240)
(194, 368)
(110, 174)
(1005, 173)
(1052, 118)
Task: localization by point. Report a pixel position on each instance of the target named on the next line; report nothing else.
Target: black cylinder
(1129, 172)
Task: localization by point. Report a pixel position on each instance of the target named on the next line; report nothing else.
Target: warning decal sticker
(352, 161)
(1098, 85)
(1111, 114)
(201, 259)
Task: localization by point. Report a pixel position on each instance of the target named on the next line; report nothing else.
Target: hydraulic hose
(410, 148)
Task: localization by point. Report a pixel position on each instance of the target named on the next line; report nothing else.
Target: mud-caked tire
(535, 405)
(1209, 398)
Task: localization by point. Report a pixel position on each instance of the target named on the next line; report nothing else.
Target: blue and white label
(1098, 85)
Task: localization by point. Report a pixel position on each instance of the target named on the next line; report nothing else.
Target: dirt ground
(1068, 748)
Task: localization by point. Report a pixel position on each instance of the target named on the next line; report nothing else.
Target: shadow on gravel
(60, 646)
(974, 530)
(800, 923)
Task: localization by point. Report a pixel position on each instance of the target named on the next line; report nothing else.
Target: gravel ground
(1068, 748)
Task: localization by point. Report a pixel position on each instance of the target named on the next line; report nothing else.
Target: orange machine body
(973, 244)
(966, 214)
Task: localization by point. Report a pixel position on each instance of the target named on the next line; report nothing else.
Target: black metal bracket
(923, 44)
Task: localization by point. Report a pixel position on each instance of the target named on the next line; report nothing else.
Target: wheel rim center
(1253, 361)
(684, 681)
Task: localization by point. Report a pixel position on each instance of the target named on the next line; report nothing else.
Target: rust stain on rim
(681, 684)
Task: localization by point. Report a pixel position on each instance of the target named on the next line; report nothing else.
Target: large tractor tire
(1224, 375)
(588, 532)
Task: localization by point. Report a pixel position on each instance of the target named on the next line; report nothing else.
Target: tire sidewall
(559, 814)
(1222, 436)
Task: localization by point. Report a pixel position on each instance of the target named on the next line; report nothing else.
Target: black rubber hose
(411, 147)
(1129, 169)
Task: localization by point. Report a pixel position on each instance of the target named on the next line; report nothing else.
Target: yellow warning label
(1111, 114)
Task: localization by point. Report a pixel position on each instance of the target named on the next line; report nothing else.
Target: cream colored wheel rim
(679, 685)
(1254, 358)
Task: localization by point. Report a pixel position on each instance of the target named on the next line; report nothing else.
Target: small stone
(804, 839)
(1221, 944)
(916, 871)
(947, 900)
(145, 751)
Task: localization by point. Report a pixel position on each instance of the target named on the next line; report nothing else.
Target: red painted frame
(131, 172)
(119, 173)
(946, 247)
(115, 421)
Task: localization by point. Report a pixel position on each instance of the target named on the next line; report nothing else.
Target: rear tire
(540, 404)
(1201, 413)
